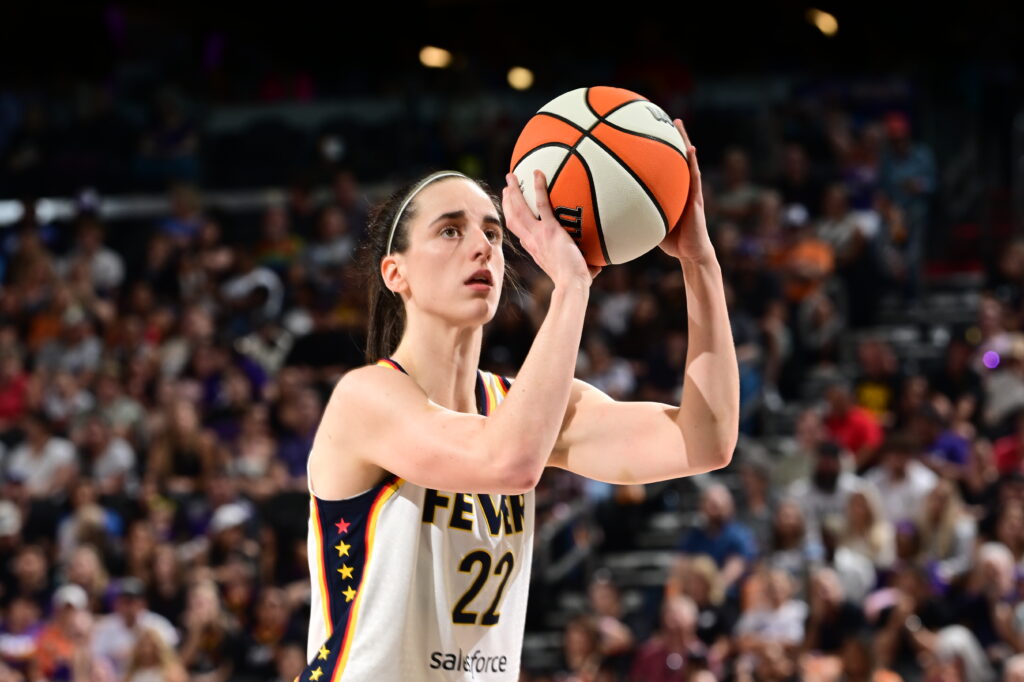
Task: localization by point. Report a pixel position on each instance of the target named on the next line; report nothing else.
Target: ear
(392, 271)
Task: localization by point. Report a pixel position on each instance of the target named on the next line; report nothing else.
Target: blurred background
(182, 193)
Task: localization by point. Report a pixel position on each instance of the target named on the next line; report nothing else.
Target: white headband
(423, 183)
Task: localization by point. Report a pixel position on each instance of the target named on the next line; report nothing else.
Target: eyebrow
(457, 215)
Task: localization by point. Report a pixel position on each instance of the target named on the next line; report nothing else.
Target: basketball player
(423, 467)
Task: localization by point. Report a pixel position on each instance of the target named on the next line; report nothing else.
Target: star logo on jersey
(324, 653)
(349, 593)
(316, 674)
(342, 526)
(346, 572)
(342, 549)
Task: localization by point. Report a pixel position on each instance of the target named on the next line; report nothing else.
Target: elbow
(522, 480)
(724, 454)
(520, 476)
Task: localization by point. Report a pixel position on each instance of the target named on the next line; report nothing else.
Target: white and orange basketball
(616, 169)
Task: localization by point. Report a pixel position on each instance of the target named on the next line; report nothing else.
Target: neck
(442, 359)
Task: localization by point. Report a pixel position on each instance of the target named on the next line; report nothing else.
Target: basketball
(616, 170)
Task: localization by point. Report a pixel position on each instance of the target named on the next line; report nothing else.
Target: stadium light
(435, 57)
(825, 22)
(520, 78)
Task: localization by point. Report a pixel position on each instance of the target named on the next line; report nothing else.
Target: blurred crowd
(160, 387)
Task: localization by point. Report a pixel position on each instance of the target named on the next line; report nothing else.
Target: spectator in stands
(944, 450)
(720, 536)
(43, 460)
(905, 615)
(806, 260)
(116, 635)
(268, 630)
(672, 654)
(581, 650)
(877, 386)
(759, 499)
(983, 604)
(831, 617)
(254, 292)
(774, 618)
(105, 266)
(55, 647)
(737, 198)
(182, 451)
(792, 549)
(21, 626)
(981, 478)
(947, 531)
(331, 249)
(278, 248)
(89, 523)
(793, 457)
(603, 370)
(855, 571)
(868, 532)
(908, 179)
(14, 386)
(211, 643)
(153, 658)
(851, 235)
(78, 349)
(1008, 451)
(825, 492)
(617, 637)
(852, 426)
(797, 182)
(350, 197)
(820, 327)
(902, 481)
(959, 381)
(106, 458)
(699, 579)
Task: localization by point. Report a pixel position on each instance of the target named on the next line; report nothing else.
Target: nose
(482, 245)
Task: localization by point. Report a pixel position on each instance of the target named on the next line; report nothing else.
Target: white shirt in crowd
(114, 639)
(902, 498)
(39, 469)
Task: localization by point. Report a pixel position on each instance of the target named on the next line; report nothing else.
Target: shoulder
(362, 385)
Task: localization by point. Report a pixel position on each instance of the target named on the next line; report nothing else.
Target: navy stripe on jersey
(344, 524)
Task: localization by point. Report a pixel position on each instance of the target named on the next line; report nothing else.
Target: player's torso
(411, 583)
(418, 584)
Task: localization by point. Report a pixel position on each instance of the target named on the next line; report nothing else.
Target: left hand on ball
(689, 239)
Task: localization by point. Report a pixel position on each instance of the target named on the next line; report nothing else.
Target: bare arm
(643, 442)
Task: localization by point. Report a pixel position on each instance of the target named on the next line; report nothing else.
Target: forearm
(531, 415)
(709, 410)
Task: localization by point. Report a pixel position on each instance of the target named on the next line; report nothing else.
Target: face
(858, 508)
(716, 505)
(435, 272)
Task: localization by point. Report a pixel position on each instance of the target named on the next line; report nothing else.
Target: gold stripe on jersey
(322, 577)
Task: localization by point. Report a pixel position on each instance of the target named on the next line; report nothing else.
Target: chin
(478, 313)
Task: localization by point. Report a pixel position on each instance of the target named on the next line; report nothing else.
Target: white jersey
(411, 583)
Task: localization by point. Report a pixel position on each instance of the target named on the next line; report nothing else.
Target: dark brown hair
(386, 322)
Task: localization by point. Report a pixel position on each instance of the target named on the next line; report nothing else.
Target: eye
(494, 235)
(450, 230)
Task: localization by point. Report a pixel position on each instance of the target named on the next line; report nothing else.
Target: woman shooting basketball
(423, 468)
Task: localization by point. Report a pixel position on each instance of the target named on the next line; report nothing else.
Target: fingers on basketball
(518, 215)
(691, 157)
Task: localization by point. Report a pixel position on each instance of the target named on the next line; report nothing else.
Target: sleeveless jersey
(411, 583)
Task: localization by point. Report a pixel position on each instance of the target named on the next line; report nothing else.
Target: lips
(481, 276)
